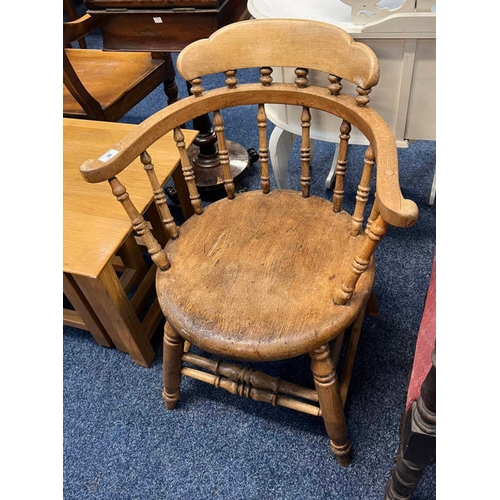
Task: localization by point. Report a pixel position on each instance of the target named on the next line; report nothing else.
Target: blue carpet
(121, 443)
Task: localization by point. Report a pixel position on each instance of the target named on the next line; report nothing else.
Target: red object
(425, 342)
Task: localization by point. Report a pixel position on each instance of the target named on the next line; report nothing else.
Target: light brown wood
(305, 152)
(263, 149)
(94, 225)
(250, 377)
(110, 302)
(341, 167)
(363, 193)
(296, 47)
(83, 316)
(173, 348)
(97, 241)
(272, 274)
(330, 401)
(283, 270)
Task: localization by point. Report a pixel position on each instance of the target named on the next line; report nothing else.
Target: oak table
(98, 240)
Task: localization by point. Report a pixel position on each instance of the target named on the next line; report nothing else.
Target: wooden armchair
(270, 274)
(102, 85)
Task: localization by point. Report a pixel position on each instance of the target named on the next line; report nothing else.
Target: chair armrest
(73, 30)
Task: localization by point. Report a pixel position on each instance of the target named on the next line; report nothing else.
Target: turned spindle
(173, 348)
(159, 196)
(195, 87)
(266, 79)
(224, 154)
(375, 212)
(231, 80)
(263, 149)
(140, 226)
(341, 167)
(363, 192)
(361, 260)
(363, 98)
(305, 152)
(330, 402)
(301, 79)
(187, 171)
(335, 86)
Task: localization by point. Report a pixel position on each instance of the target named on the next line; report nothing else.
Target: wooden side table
(102, 260)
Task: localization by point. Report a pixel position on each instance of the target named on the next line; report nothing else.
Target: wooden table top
(95, 224)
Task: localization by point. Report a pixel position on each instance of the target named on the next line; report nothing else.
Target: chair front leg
(173, 348)
(330, 402)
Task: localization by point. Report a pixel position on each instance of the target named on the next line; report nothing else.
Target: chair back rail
(300, 45)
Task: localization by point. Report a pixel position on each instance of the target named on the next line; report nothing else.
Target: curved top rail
(274, 42)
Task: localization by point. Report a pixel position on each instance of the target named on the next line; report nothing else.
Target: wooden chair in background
(102, 85)
(271, 274)
(70, 11)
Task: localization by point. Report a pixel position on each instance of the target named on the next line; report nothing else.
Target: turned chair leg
(330, 402)
(173, 348)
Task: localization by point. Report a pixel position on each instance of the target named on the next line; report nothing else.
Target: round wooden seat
(254, 277)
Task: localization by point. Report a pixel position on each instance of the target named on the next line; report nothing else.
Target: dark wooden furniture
(162, 25)
(417, 445)
(271, 274)
(165, 26)
(102, 85)
(69, 10)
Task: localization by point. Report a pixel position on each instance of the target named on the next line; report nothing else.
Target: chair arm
(73, 30)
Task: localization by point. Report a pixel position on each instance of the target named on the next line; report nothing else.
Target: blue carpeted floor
(121, 443)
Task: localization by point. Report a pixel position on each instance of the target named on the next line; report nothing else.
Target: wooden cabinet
(162, 25)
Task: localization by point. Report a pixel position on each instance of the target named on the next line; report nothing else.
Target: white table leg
(330, 178)
(432, 196)
(280, 147)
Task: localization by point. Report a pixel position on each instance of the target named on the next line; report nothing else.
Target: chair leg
(173, 348)
(330, 402)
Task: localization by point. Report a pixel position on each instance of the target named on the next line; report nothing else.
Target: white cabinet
(402, 35)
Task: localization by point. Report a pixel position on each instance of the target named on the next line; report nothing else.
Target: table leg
(280, 147)
(110, 303)
(204, 155)
(330, 178)
(432, 196)
(87, 318)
